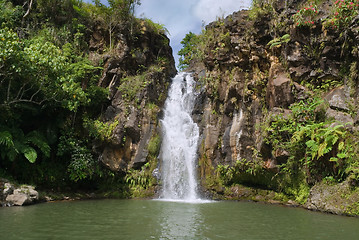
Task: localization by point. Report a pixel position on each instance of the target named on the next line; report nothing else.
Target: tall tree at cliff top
(118, 13)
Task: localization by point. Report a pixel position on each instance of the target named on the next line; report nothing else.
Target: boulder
(279, 91)
(338, 99)
(116, 158)
(24, 195)
(340, 117)
(19, 199)
(8, 189)
(332, 198)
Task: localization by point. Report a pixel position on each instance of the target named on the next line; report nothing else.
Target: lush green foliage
(51, 105)
(47, 87)
(10, 16)
(315, 145)
(82, 164)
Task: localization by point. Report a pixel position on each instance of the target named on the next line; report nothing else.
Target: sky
(183, 16)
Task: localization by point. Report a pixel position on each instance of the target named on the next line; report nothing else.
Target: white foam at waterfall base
(179, 143)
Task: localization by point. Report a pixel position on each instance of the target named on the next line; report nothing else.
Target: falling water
(179, 145)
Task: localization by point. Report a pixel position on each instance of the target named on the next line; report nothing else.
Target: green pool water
(151, 219)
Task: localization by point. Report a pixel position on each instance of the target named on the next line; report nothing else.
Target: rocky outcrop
(12, 195)
(137, 75)
(333, 198)
(245, 82)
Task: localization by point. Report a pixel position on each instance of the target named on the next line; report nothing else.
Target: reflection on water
(141, 219)
(180, 221)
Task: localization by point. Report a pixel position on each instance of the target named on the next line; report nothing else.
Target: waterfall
(179, 142)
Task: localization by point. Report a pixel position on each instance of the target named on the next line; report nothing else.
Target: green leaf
(30, 154)
(313, 145)
(285, 38)
(341, 146)
(12, 154)
(39, 141)
(6, 139)
(342, 155)
(322, 149)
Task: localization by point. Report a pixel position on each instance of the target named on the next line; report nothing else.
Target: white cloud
(208, 10)
(177, 16)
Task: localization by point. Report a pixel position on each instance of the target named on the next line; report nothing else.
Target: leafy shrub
(154, 145)
(306, 16)
(156, 27)
(315, 146)
(343, 13)
(82, 164)
(141, 179)
(10, 16)
(324, 149)
(100, 130)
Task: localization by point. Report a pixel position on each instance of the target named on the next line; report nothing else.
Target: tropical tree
(118, 12)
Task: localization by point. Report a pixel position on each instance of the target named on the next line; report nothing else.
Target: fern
(38, 140)
(13, 142)
(277, 42)
(6, 139)
(30, 154)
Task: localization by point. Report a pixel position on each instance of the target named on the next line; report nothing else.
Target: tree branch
(28, 9)
(8, 90)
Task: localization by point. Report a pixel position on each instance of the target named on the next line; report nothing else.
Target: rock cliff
(137, 73)
(264, 77)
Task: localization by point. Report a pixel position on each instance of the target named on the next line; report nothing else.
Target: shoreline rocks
(13, 195)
